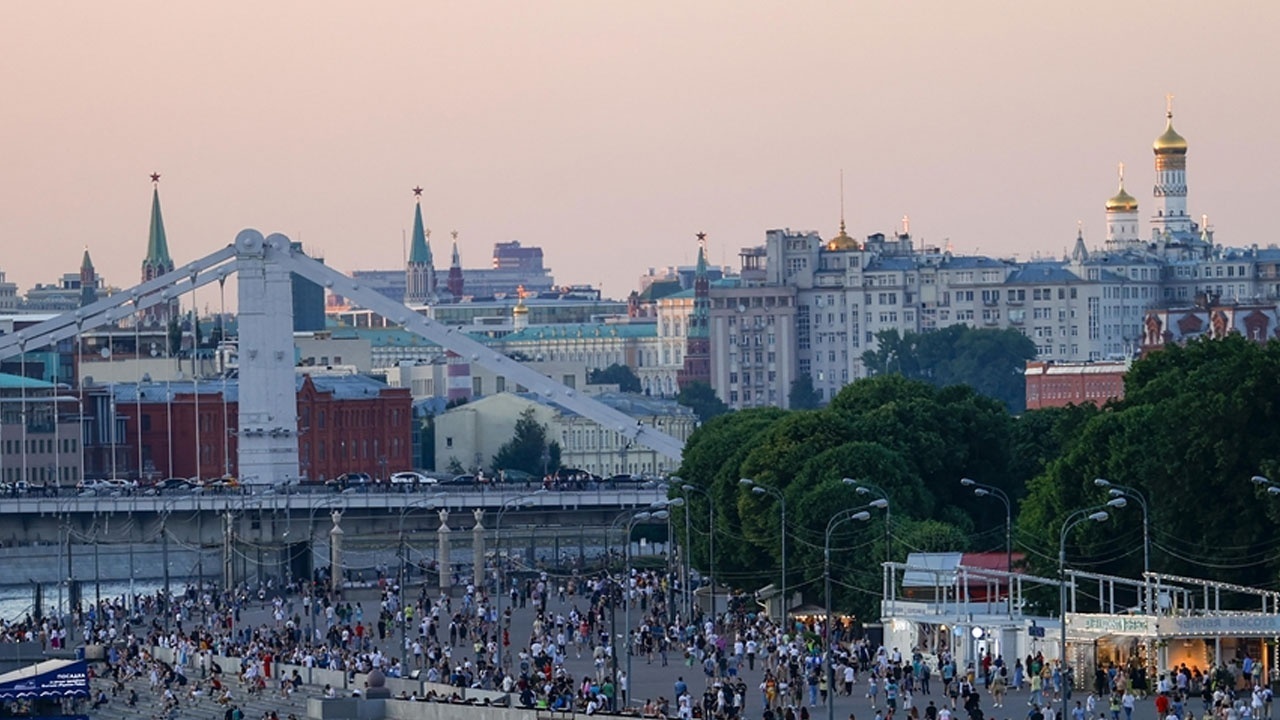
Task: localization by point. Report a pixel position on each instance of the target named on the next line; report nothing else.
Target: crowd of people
(462, 640)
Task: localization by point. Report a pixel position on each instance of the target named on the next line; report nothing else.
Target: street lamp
(428, 502)
(711, 542)
(1097, 513)
(861, 515)
(982, 490)
(684, 556)
(1272, 488)
(759, 489)
(519, 501)
(1122, 491)
(865, 488)
(642, 516)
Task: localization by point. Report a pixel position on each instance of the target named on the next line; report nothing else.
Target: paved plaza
(651, 680)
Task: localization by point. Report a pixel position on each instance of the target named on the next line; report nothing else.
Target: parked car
(460, 480)
(95, 484)
(174, 483)
(349, 480)
(409, 477)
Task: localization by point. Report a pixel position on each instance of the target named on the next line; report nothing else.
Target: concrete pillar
(335, 552)
(268, 427)
(477, 548)
(228, 570)
(442, 554)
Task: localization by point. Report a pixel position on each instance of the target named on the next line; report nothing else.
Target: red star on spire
(702, 237)
(155, 177)
(417, 191)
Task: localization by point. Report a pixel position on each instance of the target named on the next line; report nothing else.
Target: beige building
(753, 345)
(472, 433)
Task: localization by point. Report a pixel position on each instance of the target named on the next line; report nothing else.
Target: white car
(409, 477)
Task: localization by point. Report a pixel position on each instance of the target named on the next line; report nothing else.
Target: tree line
(1195, 424)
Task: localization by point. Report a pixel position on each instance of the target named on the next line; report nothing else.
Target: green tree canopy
(527, 446)
(1195, 424)
(702, 399)
(616, 374)
(989, 361)
(802, 395)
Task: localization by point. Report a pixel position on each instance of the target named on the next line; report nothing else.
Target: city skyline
(610, 135)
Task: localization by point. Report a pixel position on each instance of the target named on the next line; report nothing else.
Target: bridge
(267, 433)
(238, 536)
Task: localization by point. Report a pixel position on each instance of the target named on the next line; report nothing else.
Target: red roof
(991, 560)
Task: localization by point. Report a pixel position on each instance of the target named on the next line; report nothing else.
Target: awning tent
(48, 679)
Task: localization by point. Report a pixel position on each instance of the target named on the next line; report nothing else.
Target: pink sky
(609, 132)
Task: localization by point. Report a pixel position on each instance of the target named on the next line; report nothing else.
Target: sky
(609, 132)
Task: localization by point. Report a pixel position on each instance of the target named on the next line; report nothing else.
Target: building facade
(346, 423)
(470, 435)
(1051, 384)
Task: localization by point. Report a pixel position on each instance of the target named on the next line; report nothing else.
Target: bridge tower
(268, 432)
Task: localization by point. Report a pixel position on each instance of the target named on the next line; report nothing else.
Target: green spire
(85, 262)
(157, 244)
(419, 250)
(702, 255)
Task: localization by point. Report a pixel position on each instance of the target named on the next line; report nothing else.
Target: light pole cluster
(759, 489)
(521, 501)
(428, 502)
(1098, 513)
(633, 517)
(1122, 491)
(859, 514)
(711, 542)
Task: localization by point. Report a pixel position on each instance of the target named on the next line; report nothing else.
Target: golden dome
(842, 242)
(1170, 142)
(520, 308)
(1122, 202)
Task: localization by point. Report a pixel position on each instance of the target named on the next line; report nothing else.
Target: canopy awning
(49, 679)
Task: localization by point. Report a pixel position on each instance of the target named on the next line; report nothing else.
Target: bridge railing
(490, 498)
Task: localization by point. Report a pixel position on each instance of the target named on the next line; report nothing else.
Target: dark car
(349, 480)
(174, 483)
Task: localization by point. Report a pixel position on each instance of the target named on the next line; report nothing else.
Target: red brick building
(1058, 384)
(346, 423)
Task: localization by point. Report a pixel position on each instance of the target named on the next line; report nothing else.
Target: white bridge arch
(268, 426)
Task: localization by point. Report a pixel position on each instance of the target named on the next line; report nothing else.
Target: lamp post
(865, 488)
(1272, 488)
(860, 514)
(982, 490)
(1097, 513)
(642, 516)
(711, 542)
(684, 555)
(759, 489)
(1122, 491)
(428, 502)
(519, 501)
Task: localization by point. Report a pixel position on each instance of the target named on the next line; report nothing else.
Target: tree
(989, 361)
(525, 449)
(615, 374)
(699, 397)
(1195, 423)
(802, 395)
(175, 337)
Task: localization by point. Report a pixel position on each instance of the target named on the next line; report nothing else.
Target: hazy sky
(609, 132)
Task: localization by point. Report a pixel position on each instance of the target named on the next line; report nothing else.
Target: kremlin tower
(455, 271)
(1171, 181)
(697, 356)
(420, 273)
(88, 280)
(157, 262)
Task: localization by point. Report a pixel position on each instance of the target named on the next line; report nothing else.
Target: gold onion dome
(842, 241)
(1170, 142)
(1122, 202)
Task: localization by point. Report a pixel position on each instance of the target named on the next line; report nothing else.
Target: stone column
(477, 547)
(335, 552)
(442, 554)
